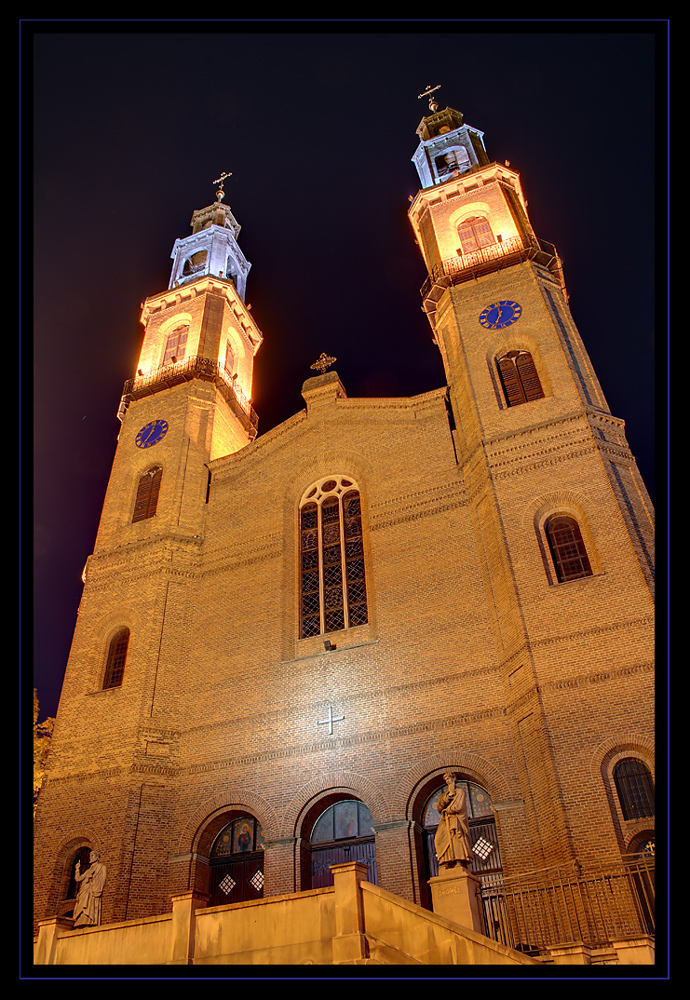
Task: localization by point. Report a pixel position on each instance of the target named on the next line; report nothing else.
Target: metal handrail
(470, 265)
(195, 366)
(596, 905)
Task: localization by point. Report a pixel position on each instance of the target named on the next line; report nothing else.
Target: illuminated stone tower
(190, 399)
(188, 403)
(547, 468)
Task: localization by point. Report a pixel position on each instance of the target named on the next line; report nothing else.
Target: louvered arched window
(229, 362)
(635, 788)
(147, 494)
(117, 655)
(519, 378)
(474, 234)
(176, 344)
(567, 548)
(332, 585)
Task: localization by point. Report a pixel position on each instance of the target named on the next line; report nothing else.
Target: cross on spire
(220, 193)
(433, 103)
(323, 363)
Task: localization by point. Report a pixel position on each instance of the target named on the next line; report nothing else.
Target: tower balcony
(486, 260)
(185, 370)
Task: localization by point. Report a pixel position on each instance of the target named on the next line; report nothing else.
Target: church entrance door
(343, 832)
(237, 863)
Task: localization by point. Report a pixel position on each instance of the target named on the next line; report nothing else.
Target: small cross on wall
(330, 720)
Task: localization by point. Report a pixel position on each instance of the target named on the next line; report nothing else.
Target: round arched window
(343, 832)
(237, 860)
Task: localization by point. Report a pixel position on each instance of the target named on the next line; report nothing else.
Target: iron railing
(477, 262)
(593, 906)
(189, 368)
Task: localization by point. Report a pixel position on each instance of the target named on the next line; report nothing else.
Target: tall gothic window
(176, 344)
(117, 655)
(519, 378)
(474, 234)
(332, 585)
(567, 548)
(635, 788)
(146, 501)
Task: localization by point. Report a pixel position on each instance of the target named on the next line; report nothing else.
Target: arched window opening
(567, 548)
(474, 233)
(451, 160)
(486, 857)
(519, 378)
(117, 655)
(237, 862)
(83, 856)
(332, 578)
(176, 344)
(231, 271)
(146, 501)
(195, 263)
(635, 788)
(343, 832)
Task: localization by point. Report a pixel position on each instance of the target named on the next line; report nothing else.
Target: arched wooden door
(343, 832)
(237, 863)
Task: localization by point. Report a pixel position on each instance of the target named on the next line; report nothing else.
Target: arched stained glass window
(146, 502)
(567, 548)
(117, 655)
(237, 862)
(519, 378)
(332, 576)
(343, 832)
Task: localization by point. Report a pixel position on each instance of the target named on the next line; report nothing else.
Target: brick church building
(286, 640)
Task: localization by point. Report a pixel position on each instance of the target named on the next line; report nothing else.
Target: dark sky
(130, 127)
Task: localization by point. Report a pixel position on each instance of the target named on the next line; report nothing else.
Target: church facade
(286, 641)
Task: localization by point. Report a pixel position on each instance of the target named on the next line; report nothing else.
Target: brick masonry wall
(472, 657)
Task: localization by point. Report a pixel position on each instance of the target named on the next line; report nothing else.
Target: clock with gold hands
(500, 314)
(151, 433)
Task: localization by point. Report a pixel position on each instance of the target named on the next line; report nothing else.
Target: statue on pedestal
(87, 909)
(452, 841)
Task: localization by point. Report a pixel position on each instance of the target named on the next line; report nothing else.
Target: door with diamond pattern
(237, 863)
(238, 881)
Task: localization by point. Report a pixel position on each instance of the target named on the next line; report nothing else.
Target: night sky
(128, 128)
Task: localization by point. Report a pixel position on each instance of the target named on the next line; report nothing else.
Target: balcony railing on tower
(503, 253)
(193, 367)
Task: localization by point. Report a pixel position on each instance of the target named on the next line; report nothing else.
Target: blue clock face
(152, 433)
(500, 314)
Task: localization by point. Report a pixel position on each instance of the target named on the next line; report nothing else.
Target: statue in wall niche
(452, 841)
(87, 910)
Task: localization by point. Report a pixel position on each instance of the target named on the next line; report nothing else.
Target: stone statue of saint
(452, 841)
(87, 910)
